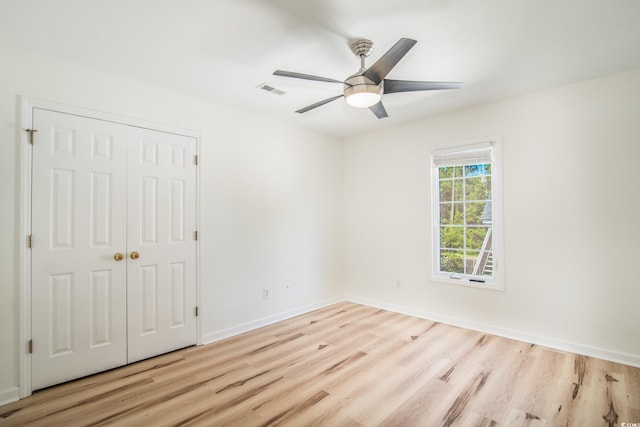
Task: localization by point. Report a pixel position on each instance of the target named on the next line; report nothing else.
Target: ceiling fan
(365, 88)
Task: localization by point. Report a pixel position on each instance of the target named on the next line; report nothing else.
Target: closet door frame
(24, 138)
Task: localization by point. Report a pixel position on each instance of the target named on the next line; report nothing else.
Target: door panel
(78, 290)
(101, 209)
(162, 220)
(101, 308)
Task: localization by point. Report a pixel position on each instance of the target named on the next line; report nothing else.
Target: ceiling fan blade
(305, 76)
(393, 86)
(379, 111)
(378, 71)
(318, 104)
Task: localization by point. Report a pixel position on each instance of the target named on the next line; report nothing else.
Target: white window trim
(496, 283)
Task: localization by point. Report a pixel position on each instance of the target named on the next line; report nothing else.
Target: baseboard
(573, 347)
(9, 395)
(255, 324)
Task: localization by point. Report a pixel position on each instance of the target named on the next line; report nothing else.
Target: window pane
(451, 261)
(446, 213)
(477, 170)
(478, 213)
(452, 237)
(470, 261)
(482, 264)
(446, 172)
(478, 188)
(445, 190)
(486, 266)
(458, 189)
(452, 213)
(487, 213)
(475, 237)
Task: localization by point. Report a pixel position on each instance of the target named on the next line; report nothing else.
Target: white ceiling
(220, 50)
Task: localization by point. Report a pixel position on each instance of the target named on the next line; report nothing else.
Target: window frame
(496, 282)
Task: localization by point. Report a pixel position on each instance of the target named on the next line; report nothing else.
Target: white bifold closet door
(113, 252)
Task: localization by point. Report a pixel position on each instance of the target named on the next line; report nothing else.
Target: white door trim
(27, 106)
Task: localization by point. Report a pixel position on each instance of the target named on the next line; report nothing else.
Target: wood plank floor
(347, 365)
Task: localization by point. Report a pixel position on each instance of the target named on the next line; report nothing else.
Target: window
(467, 216)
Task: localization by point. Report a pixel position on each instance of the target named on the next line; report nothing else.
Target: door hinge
(30, 241)
(195, 235)
(31, 134)
(196, 311)
(30, 346)
(195, 160)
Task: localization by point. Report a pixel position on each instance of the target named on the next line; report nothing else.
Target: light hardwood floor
(348, 365)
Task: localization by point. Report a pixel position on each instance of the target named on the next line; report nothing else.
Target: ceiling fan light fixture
(364, 99)
(360, 92)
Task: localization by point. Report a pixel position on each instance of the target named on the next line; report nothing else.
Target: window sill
(491, 285)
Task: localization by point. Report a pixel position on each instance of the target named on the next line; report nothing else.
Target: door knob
(135, 255)
(118, 256)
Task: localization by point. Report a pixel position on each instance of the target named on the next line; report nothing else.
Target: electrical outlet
(265, 293)
(287, 287)
(398, 284)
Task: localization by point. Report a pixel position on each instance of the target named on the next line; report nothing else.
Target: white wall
(571, 206)
(271, 209)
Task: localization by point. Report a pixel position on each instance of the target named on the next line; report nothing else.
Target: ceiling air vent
(271, 89)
